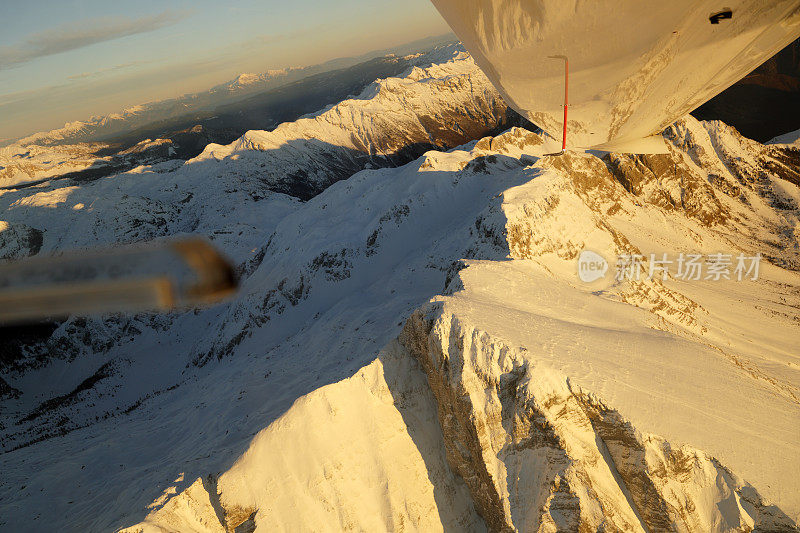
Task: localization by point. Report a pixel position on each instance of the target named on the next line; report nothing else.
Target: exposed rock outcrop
(538, 455)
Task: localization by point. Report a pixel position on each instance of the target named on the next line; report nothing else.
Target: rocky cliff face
(412, 347)
(538, 455)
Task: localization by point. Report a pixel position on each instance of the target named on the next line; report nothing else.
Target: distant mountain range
(159, 116)
(102, 128)
(181, 128)
(763, 104)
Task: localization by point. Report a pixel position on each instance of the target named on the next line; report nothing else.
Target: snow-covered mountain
(393, 121)
(111, 144)
(412, 347)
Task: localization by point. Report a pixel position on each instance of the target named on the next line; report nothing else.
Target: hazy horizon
(94, 59)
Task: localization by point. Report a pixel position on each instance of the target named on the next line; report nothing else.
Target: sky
(65, 60)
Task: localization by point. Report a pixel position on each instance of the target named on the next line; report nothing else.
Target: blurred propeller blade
(158, 276)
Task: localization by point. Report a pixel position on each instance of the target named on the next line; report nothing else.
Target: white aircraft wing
(635, 66)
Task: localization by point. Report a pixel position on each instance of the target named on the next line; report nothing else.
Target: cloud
(102, 71)
(87, 33)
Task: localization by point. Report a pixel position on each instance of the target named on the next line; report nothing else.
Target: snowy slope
(99, 369)
(558, 405)
(412, 348)
(26, 164)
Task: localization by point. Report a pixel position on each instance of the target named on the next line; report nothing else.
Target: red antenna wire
(566, 100)
(566, 103)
